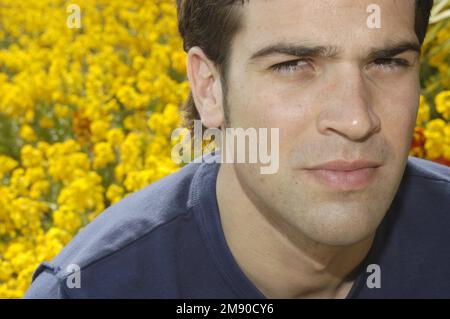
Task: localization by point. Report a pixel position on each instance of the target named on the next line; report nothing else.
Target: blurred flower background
(432, 132)
(86, 115)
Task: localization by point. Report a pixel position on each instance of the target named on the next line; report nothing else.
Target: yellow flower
(139, 179)
(114, 193)
(7, 164)
(443, 104)
(27, 133)
(31, 157)
(119, 172)
(39, 188)
(46, 122)
(103, 155)
(99, 129)
(67, 219)
(423, 114)
(115, 136)
(62, 111)
(179, 61)
(435, 133)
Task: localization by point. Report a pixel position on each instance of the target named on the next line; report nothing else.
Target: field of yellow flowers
(86, 115)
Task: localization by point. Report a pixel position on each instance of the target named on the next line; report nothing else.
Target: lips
(341, 165)
(344, 175)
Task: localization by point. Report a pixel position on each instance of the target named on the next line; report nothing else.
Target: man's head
(212, 24)
(336, 89)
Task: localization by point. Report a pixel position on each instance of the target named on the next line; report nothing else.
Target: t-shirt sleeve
(45, 284)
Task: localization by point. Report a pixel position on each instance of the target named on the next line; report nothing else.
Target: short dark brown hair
(212, 24)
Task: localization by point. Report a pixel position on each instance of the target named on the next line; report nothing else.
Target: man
(347, 215)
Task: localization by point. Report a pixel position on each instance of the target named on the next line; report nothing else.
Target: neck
(280, 261)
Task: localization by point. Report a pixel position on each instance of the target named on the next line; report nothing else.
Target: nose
(346, 108)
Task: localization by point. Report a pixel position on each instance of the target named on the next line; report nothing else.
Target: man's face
(353, 99)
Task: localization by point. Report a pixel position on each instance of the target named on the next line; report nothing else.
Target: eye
(391, 64)
(293, 66)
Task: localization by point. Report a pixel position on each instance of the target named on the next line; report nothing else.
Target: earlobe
(206, 89)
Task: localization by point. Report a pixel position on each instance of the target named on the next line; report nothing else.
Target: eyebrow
(394, 49)
(295, 50)
(332, 51)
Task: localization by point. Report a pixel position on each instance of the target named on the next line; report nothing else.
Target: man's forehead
(320, 10)
(333, 23)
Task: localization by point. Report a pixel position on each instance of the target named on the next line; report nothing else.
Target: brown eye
(391, 64)
(291, 67)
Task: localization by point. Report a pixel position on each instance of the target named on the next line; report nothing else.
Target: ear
(206, 88)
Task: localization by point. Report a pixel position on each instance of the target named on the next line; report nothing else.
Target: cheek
(275, 106)
(400, 97)
(285, 109)
(259, 99)
(398, 117)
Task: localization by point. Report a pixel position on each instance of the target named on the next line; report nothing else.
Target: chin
(349, 238)
(341, 228)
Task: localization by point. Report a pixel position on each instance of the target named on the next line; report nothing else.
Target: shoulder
(426, 183)
(421, 205)
(412, 241)
(134, 217)
(425, 187)
(427, 170)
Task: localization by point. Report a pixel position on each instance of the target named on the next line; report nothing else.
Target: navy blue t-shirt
(166, 241)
